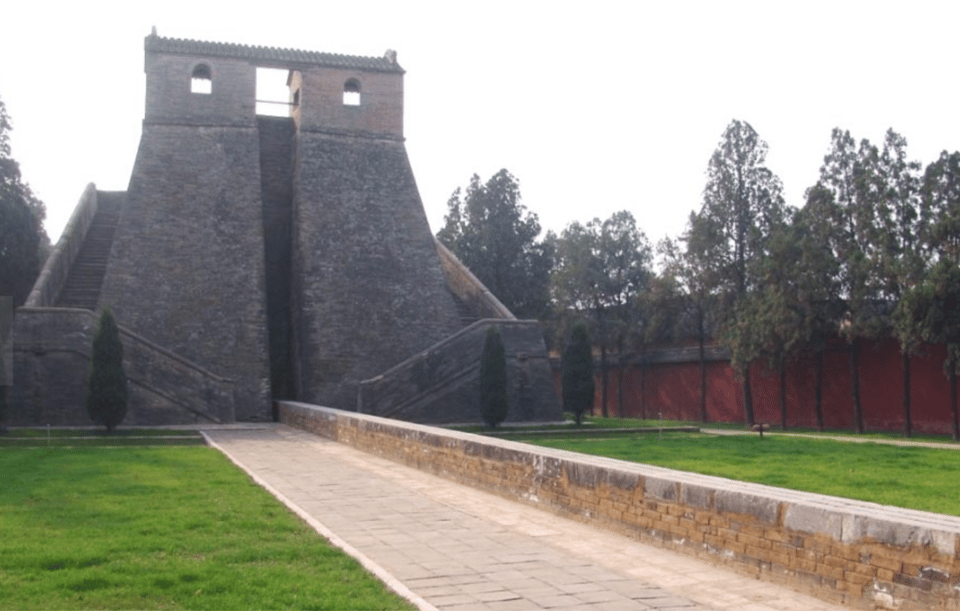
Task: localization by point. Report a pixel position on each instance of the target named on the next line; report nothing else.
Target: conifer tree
(107, 384)
(577, 375)
(494, 405)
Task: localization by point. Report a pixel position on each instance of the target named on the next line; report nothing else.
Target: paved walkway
(905, 443)
(450, 547)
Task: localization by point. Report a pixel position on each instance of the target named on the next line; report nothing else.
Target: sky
(594, 106)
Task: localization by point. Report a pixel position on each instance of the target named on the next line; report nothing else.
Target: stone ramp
(451, 547)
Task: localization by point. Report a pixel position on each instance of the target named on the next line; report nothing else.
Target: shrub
(107, 384)
(494, 405)
(577, 373)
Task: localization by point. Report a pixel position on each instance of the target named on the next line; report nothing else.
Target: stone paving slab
(451, 547)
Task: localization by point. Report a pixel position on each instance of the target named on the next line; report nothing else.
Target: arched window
(351, 93)
(200, 80)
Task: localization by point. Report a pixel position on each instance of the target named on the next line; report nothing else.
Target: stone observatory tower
(260, 257)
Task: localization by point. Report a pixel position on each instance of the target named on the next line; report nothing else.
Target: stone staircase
(82, 286)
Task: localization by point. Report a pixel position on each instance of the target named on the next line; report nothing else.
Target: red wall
(673, 390)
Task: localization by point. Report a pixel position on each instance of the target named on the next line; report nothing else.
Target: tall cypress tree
(107, 384)
(577, 376)
(494, 405)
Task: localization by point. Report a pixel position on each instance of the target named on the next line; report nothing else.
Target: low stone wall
(64, 253)
(441, 384)
(51, 358)
(862, 554)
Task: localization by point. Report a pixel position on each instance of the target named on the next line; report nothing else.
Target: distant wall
(441, 384)
(51, 360)
(669, 385)
(861, 554)
(64, 253)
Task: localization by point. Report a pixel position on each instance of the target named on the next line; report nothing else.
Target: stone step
(82, 286)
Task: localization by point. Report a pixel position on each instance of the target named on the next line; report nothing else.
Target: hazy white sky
(595, 106)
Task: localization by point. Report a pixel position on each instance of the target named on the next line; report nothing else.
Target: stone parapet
(468, 288)
(64, 253)
(441, 383)
(862, 554)
(51, 357)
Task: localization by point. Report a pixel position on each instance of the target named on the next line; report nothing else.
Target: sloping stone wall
(187, 266)
(862, 554)
(64, 253)
(441, 384)
(368, 290)
(51, 360)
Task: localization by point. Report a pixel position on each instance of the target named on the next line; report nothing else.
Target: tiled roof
(271, 55)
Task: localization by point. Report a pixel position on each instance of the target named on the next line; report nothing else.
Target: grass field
(916, 478)
(161, 528)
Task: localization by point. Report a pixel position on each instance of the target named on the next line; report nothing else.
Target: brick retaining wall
(862, 554)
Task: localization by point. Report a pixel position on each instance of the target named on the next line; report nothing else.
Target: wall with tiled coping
(863, 554)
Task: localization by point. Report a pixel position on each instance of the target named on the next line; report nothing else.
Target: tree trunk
(907, 421)
(620, 384)
(818, 390)
(747, 397)
(855, 385)
(643, 385)
(603, 380)
(783, 396)
(953, 397)
(703, 366)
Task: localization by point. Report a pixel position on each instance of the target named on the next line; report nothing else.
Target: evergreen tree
(107, 383)
(23, 241)
(600, 269)
(742, 207)
(577, 374)
(493, 234)
(494, 404)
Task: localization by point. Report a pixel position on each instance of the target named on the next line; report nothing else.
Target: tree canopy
(742, 209)
(600, 269)
(22, 238)
(490, 230)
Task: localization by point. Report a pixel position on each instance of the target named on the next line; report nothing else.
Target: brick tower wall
(369, 291)
(187, 266)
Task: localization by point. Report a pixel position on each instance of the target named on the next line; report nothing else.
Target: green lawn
(161, 528)
(916, 478)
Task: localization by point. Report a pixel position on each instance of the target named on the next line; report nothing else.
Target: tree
(935, 304)
(658, 310)
(843, 201)
(940, 207)
(494, 404)
(22, 238)
(493, 234)
(107, 383)
(899, 227)
(577, 373)
(742, 207)
(811, 271)
(600, 269)
(930, 312)
(693, 274)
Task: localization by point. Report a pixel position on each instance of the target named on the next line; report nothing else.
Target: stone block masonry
(291, 256)
(187, 266)
(441, 384)
(368, 289)
(862, 554)
(52, 359)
